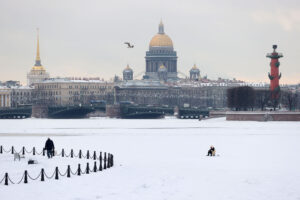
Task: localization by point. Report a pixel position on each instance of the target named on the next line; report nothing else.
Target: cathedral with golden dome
(161, 53)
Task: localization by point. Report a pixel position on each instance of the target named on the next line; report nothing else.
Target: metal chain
(36, 177)
(21, 179)
(66, 155)
(62, 174)
(2, 179)
(28, 151)
(39, 153)
(11, 180)
(50, 176)
(74, 173)
(6, 151)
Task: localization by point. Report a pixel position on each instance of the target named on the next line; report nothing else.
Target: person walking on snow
(49, 147)
(211, 151)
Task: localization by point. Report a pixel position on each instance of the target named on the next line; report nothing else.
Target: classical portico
(5, 98)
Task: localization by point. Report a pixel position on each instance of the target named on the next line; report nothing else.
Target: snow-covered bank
(164, 159)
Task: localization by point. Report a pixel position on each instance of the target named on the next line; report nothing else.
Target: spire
(38, 59)
(161, 28)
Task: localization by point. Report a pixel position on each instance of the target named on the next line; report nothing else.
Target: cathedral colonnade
(5, 100)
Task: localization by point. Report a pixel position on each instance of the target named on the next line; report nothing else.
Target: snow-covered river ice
(162, 159)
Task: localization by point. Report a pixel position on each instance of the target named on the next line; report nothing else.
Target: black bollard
(100, 162)
(25, 177)
(88, 154)
(72, 153)
(69, 171)
(95, 166)
(62, 153)
(56, 173)
(80, 154)
(104, 165)
(6, 179)
(1, 149)
(78, 170)
(94, 156)
(108, 155)
(44, 152)
(112, 160)
(23, 150)
(42, 175)
(12, 150)
(33, 151)
(87, 171)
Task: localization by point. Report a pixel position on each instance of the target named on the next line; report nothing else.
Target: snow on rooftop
(66, 80)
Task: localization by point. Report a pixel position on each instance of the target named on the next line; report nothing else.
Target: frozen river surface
(161, 159)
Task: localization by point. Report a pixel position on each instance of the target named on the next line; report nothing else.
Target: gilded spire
(161, 28)
(38, 59)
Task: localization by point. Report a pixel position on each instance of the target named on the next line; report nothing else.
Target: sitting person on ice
(211, 151)
(49, 147)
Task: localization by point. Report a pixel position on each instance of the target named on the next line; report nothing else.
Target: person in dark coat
(211, 151)
(49, 147)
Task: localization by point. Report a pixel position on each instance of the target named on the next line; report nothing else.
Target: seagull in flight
(129, 45)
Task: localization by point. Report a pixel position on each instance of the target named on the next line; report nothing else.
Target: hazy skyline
(228, 39)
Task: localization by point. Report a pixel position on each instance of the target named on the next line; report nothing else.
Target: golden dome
(161, 40)
(162, 67)
(127, 68)
(38, 68)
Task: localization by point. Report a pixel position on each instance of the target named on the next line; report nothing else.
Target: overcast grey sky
(85, 38)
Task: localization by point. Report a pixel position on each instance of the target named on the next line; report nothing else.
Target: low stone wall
(262, 116)
(214, 114)
(113, 111)
(39, 111)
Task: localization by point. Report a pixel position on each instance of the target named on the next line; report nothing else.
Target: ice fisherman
(49, 147)
(211, 151)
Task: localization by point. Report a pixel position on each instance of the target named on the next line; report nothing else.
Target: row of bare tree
(246, 98)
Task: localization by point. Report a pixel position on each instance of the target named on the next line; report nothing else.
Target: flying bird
(129, 45)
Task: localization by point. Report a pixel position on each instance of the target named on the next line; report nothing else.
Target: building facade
(21, 96)
(161, 52)
(64, 92)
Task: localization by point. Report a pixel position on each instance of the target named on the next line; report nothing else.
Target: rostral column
(274, 76)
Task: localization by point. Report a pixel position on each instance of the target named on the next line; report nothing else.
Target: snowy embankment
(161, 159)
